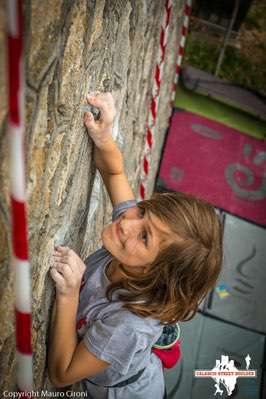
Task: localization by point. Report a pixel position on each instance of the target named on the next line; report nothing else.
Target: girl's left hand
(67, 271)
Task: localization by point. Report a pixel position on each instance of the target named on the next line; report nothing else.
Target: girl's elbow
(56, 381)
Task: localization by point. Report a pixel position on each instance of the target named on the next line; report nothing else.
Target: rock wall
(72, 47)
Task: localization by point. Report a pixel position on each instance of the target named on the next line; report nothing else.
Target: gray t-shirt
(116, 335)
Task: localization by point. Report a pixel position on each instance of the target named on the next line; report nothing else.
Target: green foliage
(201, 54)
(236, 67)
(256, 17)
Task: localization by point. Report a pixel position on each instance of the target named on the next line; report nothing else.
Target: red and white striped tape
(181, 49)
(158, 73)
(18, 198)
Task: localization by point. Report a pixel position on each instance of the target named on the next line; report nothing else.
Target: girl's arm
(107, 156)
(68, 360)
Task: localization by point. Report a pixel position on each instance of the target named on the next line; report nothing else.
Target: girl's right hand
(67, 271)
(100, 130)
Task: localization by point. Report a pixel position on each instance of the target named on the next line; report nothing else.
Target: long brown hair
(184, 272)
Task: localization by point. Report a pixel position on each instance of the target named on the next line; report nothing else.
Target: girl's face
(136, 237)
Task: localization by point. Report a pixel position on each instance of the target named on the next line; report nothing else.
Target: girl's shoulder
(132, 322)
(116, 325)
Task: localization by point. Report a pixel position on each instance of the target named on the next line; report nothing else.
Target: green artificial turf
(215, 110)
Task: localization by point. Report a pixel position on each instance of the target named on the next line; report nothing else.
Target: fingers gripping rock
(95, 112)
(67, 270)
(100, 130)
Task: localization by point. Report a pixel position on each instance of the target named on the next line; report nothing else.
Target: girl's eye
(144, 234)
(144, 237)
(141, 212)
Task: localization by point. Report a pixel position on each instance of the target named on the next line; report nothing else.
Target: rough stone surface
(73, 47)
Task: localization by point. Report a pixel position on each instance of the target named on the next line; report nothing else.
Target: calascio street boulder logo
(225, 374)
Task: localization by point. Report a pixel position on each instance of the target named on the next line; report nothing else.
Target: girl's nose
(130, 227)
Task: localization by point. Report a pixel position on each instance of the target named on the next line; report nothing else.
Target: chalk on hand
(89, 108)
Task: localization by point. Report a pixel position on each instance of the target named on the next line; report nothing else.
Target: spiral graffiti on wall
(242, 186)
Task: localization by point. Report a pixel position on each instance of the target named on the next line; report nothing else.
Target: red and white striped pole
(181, 49)
(150, 130)
(16, 88)
(158, 73)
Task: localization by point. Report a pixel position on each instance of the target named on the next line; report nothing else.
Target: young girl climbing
(159, 259)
